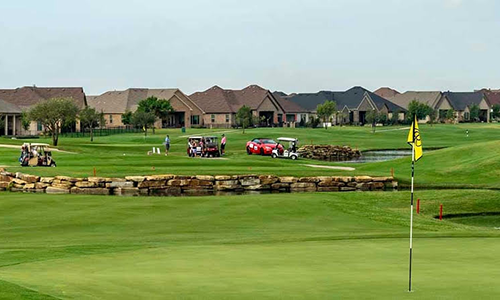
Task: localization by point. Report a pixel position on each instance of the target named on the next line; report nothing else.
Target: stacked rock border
(177, 185)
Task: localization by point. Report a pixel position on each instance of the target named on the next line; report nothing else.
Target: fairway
(308, 246)
(466, 162)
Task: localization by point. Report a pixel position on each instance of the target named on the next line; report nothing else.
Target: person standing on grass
(167, 145)
(223, 145)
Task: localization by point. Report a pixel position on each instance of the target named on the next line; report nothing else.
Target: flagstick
(411, 211)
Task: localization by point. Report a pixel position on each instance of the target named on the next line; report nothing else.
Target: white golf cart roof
(39, 144)
(286, 139)
(196, 137)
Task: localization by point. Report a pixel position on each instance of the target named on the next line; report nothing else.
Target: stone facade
(176, 185)
(328, 152)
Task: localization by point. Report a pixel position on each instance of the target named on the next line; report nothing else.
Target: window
(39, 126)
(227, 118)
(467, 116)
(212, 118)
(195, 120)
(110, 119)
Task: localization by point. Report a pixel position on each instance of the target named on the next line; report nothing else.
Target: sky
(286, 45)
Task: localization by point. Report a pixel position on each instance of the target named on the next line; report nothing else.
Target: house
(221, 105)
(461, 103)
(294, 113)
(114, 103)
(14, 101)
(430, 98)
(386, 92)
(352, 105)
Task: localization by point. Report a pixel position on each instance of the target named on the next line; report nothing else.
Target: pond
(378, 155)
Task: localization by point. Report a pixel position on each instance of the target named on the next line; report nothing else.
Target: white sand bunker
(331, 167)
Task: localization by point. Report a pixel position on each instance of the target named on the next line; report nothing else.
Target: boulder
(29, 186)
(227, 187)
(183, 177)
(257, 187)
(41, 185)
(328, 188)
(363, 186)
(363, 179)
(227, 182)
(152, 184)
(347, 189)
(4, 184)
(166, 191)
(310, 186)
(85, 184)
(380, 186)
(309, 179)
(381, 179)
(120, 184)
(114, 179)
(6, 178)
(18, 181)
(96, 179)
(268, 179)
(91, 191)
(164, 177)
(328, 152)
(222, 177)
(56, 190)
(280, 186)
(66, 178)
(247, 181)
(205, 177)
(47, 179)
(135, 178)
(288, 179)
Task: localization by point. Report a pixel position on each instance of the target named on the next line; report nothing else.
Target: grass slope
(322, 245)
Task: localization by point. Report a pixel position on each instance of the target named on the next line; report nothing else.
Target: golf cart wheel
(211, 155)
(53, 164)
(248, 151)
(274, 155)
(294, 157)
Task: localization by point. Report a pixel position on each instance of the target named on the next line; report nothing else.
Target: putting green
(311, 245)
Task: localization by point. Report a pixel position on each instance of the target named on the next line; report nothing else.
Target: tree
(160, 108)
(432, 115)
(90, 118)
(450, 114)
(127, 118)
(25, 121)
(326, 110)
(496, 111)
(143, 120)
(421, 110)
(244, 117)
(474, 112)
(395, 117)
(53, 114)
(372, 117)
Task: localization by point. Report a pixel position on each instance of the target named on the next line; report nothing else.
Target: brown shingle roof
(28, 96)
(120, 101)
(9, 108)
(386, 92)
(218, 100)
(404, 99)
(288, 106)
(494, 97)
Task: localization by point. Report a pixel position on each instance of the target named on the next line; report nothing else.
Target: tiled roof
(288, 106)
(493, 97)
(460, 100)
(26, 97)
(430, 98)
(218, 100)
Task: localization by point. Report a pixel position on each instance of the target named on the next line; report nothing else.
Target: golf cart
(194, 148)
(36, 154)
(210, 146)
(286, 152)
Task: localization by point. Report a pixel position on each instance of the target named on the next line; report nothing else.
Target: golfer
(167, 145)
(223, 144)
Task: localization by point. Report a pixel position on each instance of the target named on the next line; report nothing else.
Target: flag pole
(411, 206)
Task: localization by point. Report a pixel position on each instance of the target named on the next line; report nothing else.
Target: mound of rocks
(328, 152)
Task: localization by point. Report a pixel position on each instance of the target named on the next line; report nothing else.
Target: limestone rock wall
(176, 185)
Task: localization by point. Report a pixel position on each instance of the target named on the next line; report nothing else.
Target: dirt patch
(331, 167)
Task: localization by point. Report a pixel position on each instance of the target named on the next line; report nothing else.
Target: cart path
(19, 148)
(331, 167)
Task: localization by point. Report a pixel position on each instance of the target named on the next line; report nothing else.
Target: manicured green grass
(313, 246)
(468, 162)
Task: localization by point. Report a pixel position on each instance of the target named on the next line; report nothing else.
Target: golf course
(340, 245)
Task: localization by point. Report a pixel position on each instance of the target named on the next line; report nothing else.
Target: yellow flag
(415, 139)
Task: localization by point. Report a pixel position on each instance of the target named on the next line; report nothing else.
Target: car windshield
(268, 141)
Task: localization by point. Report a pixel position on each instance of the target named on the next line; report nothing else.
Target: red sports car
(261, 146)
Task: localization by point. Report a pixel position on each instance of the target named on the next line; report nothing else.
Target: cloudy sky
(288, 45)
